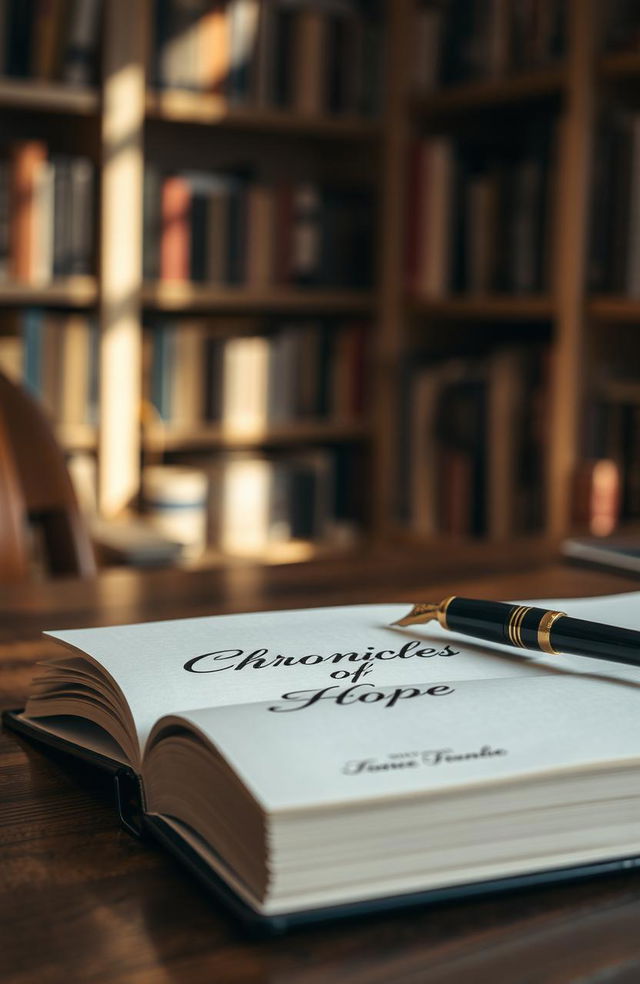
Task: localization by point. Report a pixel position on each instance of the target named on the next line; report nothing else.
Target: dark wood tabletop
(82, 900)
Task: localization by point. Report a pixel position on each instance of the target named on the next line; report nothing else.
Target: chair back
(35, 488)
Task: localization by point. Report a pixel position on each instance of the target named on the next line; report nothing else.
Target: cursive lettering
(257, 659)
(298, 700)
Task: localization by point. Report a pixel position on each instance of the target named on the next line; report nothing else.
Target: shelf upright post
(120, 271)
(571, 244)
(388, 346)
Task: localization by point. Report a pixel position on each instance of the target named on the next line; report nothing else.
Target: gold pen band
(514, 628)
(544, 632)
(442, 611)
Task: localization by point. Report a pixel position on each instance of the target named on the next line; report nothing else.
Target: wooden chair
(35, 488)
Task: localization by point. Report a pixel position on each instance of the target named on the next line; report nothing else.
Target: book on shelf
(230, 229)
(480, 216)
(320, 763)
(614, 256)
(248, 377)
(611, 444)
(261, 500)
(465, 41)
(56, 357)
(620, 27)
(312, 58)
(51, 40)
(46, 214)
(476, 448)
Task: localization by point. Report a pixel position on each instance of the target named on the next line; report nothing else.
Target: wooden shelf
(177, 106)
(70, 292)
(491, 93)
(621, 65)
(289, 552)
(169, 296)
(504, 307)
(52, 97)
(158, 438)
(614, 308)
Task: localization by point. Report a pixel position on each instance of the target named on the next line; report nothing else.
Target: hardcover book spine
(175, 260)
(28, 163)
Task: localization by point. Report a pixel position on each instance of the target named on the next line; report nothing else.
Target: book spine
(81, 216)
(244, 16)
(28, 163)
(82, 42)
(214, 52)
(175, 260)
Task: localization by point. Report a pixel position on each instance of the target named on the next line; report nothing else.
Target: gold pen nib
(423, 612)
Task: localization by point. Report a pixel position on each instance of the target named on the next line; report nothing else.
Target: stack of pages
(314, 761)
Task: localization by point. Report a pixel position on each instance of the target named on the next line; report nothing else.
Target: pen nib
(420, 613)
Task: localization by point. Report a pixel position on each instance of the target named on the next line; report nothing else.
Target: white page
(328, 753)
(148, 660)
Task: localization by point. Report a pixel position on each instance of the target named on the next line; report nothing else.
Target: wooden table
(81, 900)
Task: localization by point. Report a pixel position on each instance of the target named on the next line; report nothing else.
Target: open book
(318, 761)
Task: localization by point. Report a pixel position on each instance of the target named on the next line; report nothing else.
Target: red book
(175, 235)
(28, 159)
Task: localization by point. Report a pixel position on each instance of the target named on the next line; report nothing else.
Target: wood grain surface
(81, 900)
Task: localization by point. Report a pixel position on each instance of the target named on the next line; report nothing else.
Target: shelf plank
(53, 97)
(614, 308)
(494, 92)
(286, 552)
(621, 65)
(179, 106)
(176, 296)
(67, 292)
(158, 438)
(483, 308)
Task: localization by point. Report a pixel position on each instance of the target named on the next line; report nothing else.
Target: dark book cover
(18, 37)
(199, 216)
(284, 33)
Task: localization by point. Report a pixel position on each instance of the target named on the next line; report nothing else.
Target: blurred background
(287, 277)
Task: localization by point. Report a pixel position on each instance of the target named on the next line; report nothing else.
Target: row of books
(56, 357)
(230, 228)
(52, 40)
(480, 219)
(46, 214)
(476, 451)
(313, 58)
(612, 445)
(257, 501)
(614, 263)
(459, 41)
(621, 26)
(251, 381)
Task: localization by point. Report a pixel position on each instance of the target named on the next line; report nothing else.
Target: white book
(245, 381)
(245, 505)
(322, 757)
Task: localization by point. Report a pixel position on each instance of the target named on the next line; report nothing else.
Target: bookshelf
(127, 119)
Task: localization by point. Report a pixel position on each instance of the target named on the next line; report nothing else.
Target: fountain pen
(529, 628)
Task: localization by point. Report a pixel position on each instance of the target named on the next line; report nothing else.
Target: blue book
(32, 342)
(161, 369)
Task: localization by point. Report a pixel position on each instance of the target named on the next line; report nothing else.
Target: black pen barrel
(583, 638)
(540, 629)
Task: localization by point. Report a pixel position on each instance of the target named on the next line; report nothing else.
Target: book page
(317, 753)
(177, 666)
